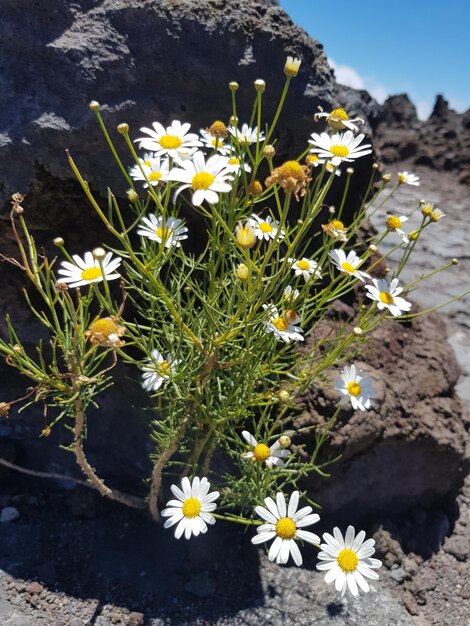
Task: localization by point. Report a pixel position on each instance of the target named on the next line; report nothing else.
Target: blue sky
(419, 47)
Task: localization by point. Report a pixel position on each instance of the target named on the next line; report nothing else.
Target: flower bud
(269, 151)
(331, 210)
(291, 68)
(357, 331)
(455, 261)
(260, 85)
(242, 271)
(426, 207)
(387, 178)
(233, 85)
(285, 441)
(413, 236)
(373, 248)
(350, 171)
(59, 242)
(123, 128)
(94, 105)
(233, 121)
(132, 195)
(99, 254)
(375, 166)
(61, 286)
(284, 396)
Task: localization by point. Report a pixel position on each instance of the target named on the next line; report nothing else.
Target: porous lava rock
(410, 448)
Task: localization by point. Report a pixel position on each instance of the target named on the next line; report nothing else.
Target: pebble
(9, 514)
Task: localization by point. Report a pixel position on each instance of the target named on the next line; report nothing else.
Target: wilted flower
(339, 119)
(291, 176)
(106, 332)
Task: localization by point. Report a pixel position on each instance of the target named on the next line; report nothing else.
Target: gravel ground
(71, 559)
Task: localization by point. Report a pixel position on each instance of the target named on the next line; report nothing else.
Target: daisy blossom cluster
(215, 302)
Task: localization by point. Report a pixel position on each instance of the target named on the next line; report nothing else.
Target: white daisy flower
(290, 294)
(282, 327)
(192, 509)
(261, 453)
(206, 179)
(234, 165)
(347, 561)
(356, 388)
(305, 267)
(88, 270)
(173, 141)
(339, 147)
(155, 170)
(285, 524)
(348, 264)
(214, 143)
(408, 178)
(394, 223)
(386, 296)
(265, 228)
(169, 232)
(246, 135)
(158, 370)
(339, 119)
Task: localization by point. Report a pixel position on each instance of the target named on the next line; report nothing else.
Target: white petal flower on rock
(339, 147)
(348, 264)
(282, 327)
(157, 370)
(206, 179)
(285, 524)
(88, 270)
(408, 178)
(305, 267)
(355, 388)
(387, 296)
(347, 561)
(154, 168)
(262, 453)
(339, 119)
(173, 141)
(246, 135)
(170, 232)
(192, 509)
(394, 224)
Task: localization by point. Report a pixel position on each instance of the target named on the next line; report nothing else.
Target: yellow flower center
(386, 297)
(148, 163)
(347, 267)
(265, 227)
(354, 389)
(202, 180)
(104, 326)
(337, 224)
(170, 142)
(303, 265)
(217, 142)
(312, 158)
(261, 452)
(280, 323)
(234, 161)
(339, 114)
(163, 232)
(191, 507)
(154, 176)
(91, 273)
(402, 178)
(347, 560)
(164, 367)
(285, 528)
(339, 151)
(393, 222)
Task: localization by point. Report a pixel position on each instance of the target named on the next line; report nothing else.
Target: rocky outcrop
(410, 449)
(441, 142)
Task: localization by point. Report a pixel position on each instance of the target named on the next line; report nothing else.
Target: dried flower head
(105, 332)
(292, 177)
(255, 188)
(218, 129)
(4, 409)
(436, 215)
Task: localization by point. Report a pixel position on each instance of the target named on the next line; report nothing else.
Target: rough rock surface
(442, 142)
(143, 61)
